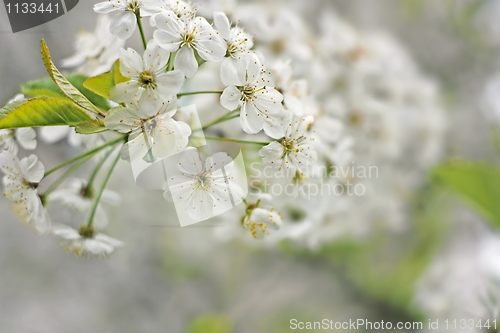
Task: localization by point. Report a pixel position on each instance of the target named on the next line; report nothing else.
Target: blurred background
(443, 264)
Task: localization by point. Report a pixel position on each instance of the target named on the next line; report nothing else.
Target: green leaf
(213, 323)
(102, 84)
(66, 87)
(10, 107)
(90, 127)
(119, 78)
(47, 87)
(42, 111)
(41, 87)
(475, 182)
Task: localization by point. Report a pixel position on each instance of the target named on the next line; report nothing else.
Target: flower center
(289, 145)
(147, 79)
(134, 6)
(27, 184)
(150, 125)
(247, 93)
(188, 39)
(235, 47)
(203, 182)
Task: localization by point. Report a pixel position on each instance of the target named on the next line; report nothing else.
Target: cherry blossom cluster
(379, 124)
(185, 53)
(306, 105)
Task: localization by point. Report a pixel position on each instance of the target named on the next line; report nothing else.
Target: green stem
(89, 153)
(141, 30)
(101, 190)
(61, 179)
(171, 60)
(216, 138)
(198, 93)
(225, 117)
(97, 168)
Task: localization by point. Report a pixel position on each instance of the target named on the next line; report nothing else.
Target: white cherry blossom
(148, 77)
(11, 139)
(204, 186)
(294, 152)
(95, 51)
(259, 219)
(124, 21)
(20, 181)
(80, 198)
(238, 45)
(183, 9)
(86, 241)
(260, 102)
(153, 133)
(296, 95)
(186, 37)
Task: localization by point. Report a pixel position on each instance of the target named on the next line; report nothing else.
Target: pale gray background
(165, 276)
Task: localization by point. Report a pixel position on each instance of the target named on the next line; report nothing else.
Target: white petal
(130, 63)
(109, 240)
(229, 71)
(180, 187)
(9, 163)
(185, 61)
(251, 121)
(268, 101)
(222, 24)
(164, 138)
(105, 7)
(213, 49)
(169, 84)
(218, 161)
(71, 198)
(226, 192)
(126, 92)
(34, 168)
(166, 40)
(53, 134)
(190, 162)
(200, 206)
(249, 70)
(151, 7)
(169, 22)
(123, 25)
(26, 138)
(304, 125)
(274, 127)
(155, 58)
(272, 153)
(42, 221)
(122, 119)
(230, 98)
(136, 148)
(149, 107)
(66, 232)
